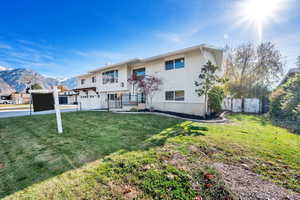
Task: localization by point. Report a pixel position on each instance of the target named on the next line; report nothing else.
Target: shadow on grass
(182, 129)
(31, 151)
(260, 118)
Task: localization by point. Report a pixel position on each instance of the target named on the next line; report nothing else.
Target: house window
(174, 64)
(93, 79)
(112, 97)
(110, 77)
(139, 73)
(179, 63)
(177, 95)
(82, 81)
(170, 95)
(169, 65)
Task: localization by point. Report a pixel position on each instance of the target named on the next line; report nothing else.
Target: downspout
(205, 95)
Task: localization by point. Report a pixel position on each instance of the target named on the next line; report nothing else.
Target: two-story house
(178, 71)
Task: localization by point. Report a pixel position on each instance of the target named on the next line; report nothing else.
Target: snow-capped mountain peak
(18, 79)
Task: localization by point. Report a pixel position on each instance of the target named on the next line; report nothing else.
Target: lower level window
(177, 95)
(170, 95)
(112, 97)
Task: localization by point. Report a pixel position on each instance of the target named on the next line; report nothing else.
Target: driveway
(5, 113)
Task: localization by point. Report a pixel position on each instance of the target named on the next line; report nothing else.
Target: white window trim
(115, 82)
(168, 101)
(172, 101)
(173, 59)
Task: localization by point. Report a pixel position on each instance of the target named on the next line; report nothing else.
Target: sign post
(47, 100)
(57, 110)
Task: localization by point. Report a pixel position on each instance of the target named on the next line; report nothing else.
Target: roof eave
(115, 65)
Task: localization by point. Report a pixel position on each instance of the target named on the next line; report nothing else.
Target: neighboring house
(292, 72)
(20, 98)
(4, 96)
(67, 97)
(178, 71)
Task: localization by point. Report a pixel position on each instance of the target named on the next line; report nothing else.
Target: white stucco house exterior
(178, 71)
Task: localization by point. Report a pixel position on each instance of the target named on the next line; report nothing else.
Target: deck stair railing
(126, 100)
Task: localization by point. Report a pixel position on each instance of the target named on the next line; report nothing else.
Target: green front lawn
(254, 142)
(115, 156)
(32, 151)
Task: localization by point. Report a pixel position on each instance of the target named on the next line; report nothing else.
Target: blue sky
(65, 38)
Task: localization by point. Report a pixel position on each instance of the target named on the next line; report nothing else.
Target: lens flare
(259, 13)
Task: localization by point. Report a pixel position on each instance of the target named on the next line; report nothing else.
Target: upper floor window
(174, 64)
(177, 95)
(110, 77)
(139, 73)
(93, 79)
(82, 81)
(169, 64)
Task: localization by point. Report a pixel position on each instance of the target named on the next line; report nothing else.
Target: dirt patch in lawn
(205, 180)
(1, 165)
(125, 191)
(249, 185)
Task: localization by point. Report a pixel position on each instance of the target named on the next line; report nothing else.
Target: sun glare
(259, 13)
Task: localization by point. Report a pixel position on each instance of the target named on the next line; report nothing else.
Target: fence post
(107, 102)
(243, 105)
(121, 101)
(30, 108)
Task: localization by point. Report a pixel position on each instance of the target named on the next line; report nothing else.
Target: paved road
(17, 113)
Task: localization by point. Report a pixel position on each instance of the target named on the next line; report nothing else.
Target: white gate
(251, 105)
(89, 101)
(236, 105)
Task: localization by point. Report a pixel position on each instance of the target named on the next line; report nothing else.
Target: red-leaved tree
(148, 85)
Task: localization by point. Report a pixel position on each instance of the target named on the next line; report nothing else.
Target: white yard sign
(56, 105)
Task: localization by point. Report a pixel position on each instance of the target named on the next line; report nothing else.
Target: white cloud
(170, 37)
(289, 45)
(26, 55)
(2, 68)
(100, 54)
(226, 36)
(5, 46)
(28, 44)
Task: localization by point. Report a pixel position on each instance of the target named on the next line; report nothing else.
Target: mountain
(70, 83)
(18, 79)
(5, 88)
(4, 68)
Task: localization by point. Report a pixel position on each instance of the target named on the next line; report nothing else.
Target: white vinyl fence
(251, 105)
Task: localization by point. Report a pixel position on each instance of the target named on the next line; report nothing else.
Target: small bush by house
(216, 96)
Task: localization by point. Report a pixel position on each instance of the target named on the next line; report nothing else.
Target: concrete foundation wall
(181, 107)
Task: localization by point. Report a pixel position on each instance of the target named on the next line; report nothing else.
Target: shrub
(133, 109)
(276, 99)
(215, 98)
(285, 104)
